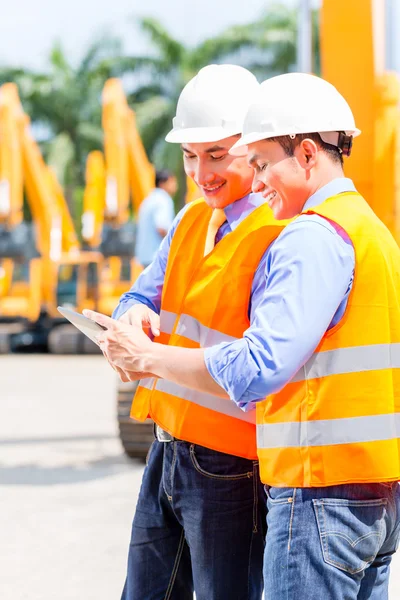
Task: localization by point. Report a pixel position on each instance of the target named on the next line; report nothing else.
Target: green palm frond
(214, 49)
(143, 93)
(154, 118)
(170, 49)
(91, 134)
(59, 63)
(60, 156)
(121, 65)
(102, 47)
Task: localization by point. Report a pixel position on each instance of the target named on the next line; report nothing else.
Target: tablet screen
(85, 325)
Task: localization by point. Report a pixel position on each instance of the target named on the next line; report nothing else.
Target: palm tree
(267, 47)
(64, 105)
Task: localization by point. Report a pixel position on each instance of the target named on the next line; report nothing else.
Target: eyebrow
(209, 150)
(215, 149)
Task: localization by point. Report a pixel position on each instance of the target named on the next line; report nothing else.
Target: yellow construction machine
(116, 184)
(353, 41)
(41, 265)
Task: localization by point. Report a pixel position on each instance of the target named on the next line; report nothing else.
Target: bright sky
(28, 28)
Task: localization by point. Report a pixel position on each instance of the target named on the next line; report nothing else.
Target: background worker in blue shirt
(155, 217)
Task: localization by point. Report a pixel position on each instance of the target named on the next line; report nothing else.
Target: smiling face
(282, 180)
(222, 178)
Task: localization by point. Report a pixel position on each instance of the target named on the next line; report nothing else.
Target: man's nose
(257, 185)
(203, 175)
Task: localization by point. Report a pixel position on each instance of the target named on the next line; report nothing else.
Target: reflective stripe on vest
(350, 360)
(353, 430)
(167, 321)
(192, 329)
(215, 403)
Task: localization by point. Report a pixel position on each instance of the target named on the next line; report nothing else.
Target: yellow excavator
(41, 265)
(127, 178)
(116, 184)
(353, 44)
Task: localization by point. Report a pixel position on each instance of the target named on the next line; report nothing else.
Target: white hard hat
(296, 103)
(213, 104)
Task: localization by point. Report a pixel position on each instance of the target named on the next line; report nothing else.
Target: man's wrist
(156, 359)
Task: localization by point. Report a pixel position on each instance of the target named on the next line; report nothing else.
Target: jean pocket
(218, 465)
(279, 495)
(351, 531)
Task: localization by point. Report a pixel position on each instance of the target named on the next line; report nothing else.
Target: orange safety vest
(338, 420)
(205, 301)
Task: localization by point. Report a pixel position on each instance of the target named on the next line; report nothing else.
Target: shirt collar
(240, 209)
(336, 186)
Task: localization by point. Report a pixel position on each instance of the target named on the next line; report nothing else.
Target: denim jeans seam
(175, 567)
(249, 565)
(213, 476)
(163, 475)
(291, 519)
(255, 501)
(173, 464)
(346, 502)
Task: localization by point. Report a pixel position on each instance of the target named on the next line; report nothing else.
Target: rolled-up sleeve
(148, 287)
(307, 274)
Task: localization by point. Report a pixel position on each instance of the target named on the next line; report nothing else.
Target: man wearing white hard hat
(200, 517)
(328, 432)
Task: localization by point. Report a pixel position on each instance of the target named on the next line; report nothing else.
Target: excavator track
(66, 339)
(136, 437)
(6, 331)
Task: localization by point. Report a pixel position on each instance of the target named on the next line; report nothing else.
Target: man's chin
(216, 202)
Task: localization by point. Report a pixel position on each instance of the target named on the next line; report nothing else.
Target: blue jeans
(333, 543)
(199, 525)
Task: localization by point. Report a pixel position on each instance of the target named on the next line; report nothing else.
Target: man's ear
(306, 153)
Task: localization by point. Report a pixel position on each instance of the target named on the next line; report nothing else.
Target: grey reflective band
(167, 321)
(147, 383)
(350, 360)
(192, 329)
(330, 432)
(220, 405)
(215, 403)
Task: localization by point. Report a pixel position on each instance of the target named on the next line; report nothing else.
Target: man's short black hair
(162, 176)
(288, 144)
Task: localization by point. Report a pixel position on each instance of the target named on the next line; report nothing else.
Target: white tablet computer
(87, 326)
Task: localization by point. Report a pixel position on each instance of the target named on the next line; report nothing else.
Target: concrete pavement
(67, 493)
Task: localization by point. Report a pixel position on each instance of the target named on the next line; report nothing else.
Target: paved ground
(67, 493)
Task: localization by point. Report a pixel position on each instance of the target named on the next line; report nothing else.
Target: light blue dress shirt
(300, 289)
(155, 212)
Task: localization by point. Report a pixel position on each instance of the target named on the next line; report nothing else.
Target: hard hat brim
(193, 135)
(240, 148)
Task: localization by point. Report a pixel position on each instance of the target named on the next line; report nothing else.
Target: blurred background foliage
(64, 101)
